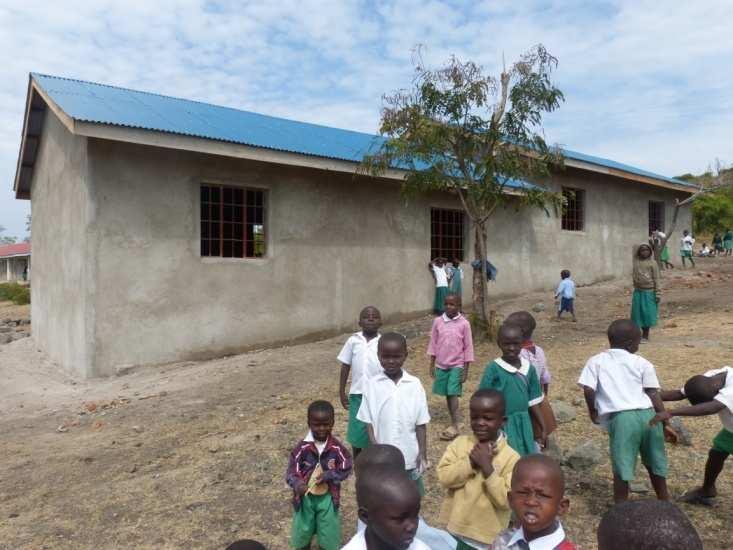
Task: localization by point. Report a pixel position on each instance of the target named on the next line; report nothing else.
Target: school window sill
(220, 260)
(572, 232)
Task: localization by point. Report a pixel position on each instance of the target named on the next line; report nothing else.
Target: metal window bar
(573, 213)
(656, 216)
(232, 222)
(446, 233)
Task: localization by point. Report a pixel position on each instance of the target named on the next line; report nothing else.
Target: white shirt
(724, 396)
(361, 355)
(566, 289)
(619, 378)
(320, 445)
(441, 277)
(358, 542)
(436, 539)
(394, 411)
(548, 542)
(687, 242)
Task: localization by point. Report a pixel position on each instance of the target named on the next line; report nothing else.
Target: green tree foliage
(459, 130)
(6, 239)
(713, 212)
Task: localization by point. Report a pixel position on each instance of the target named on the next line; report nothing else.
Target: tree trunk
(484, 316)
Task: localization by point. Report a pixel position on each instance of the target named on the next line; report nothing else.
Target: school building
(167, 230)
(15, 262)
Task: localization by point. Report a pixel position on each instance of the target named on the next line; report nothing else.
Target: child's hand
(482, 455)
(464, 375)
(663, 416)
(422, 464)
(431, 370)
(345, 401)
(594, 416)
(301, 489)
(670, 435)
(542, 440)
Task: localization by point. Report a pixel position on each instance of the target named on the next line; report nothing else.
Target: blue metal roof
(99, 103)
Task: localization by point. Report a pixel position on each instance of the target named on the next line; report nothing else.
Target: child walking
(477, 472)
(318, 465)
(451, 353)
(622, 394)
(438, 269)
(645, 300)
(395, 408)
(359, 357)
(517, 379)
(566, 293)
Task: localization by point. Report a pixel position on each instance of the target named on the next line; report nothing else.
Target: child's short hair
(494, 395)
(699, 389)
(564, 274)
(647, 525)
(379, 455)
(509, 327)
(524, 320)
(392, 337)
(246, 544)
(373, 484)
(621, 331)
(542, 461)
(456, 297)
(321, 406)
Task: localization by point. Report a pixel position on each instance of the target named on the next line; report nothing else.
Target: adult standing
(686, 243)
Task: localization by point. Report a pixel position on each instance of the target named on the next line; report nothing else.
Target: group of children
(501, 491)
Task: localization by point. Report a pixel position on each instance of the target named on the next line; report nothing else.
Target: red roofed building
(15, 262)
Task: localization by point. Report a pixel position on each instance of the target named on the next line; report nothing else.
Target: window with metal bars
(232, 222)
(573, 209)
(446, 233)
(656, 216)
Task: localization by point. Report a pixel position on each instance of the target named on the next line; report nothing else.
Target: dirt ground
(192, 455)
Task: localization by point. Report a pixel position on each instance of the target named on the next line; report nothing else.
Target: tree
(6, 239)
(27, 238)
(475, 135)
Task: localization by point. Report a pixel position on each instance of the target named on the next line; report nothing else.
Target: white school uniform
(724, 396)
(394, 411)
(441, 275)
(514, 540)
(361, 355)
(436, 539)
(358, 542)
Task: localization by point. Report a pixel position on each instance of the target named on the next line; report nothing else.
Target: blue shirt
(566, 288)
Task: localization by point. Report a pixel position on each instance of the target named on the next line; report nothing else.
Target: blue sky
(646, 83)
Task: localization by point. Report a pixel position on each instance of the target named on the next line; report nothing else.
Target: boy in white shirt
(395, 408)
(438, 269)
(359, 357)
(686, 244)
(709, 393)
(622, 394)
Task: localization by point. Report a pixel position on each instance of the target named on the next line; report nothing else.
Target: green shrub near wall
(18, 294)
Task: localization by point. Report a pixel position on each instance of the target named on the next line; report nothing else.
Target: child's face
(644, 252)
(537, 499)
(370, 320)
(452, 306)
(320, 424)
(395, 523)
(392, 356)
(487, 418)
(510, 344)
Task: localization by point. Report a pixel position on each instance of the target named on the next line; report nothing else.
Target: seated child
(359, 356)
(537, 498)
(246, 544)
(389, 504)
(318, 465)
(518, 381)
(477, 471)
(709, 393)
(395, 408)
(622, 392)
(566, 293)
(647, 525)
(389, 456)
(451, 353)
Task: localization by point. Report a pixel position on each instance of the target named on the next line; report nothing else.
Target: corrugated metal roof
(19, 249)
(99, 103)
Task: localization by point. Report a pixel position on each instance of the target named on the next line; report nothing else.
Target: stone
(564, 412)
(6, 338)
(5, 329)
(585, 456)
(539, 307)
(684, 434)
(553, 449)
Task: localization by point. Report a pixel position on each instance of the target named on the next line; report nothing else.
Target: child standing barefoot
(644, 302)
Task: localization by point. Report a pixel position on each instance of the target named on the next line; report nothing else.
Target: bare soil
(193, 454)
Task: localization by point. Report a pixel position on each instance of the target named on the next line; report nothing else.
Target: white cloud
(646, 83)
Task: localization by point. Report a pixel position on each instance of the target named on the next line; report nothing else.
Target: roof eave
(590, 167)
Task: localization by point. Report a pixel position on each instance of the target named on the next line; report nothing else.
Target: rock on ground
(564, 412)
(585, 455)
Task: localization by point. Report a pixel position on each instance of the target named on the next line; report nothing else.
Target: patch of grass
(16, 293)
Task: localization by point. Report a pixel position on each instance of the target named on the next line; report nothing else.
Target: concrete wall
(63, 249)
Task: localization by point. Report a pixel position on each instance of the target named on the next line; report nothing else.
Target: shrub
(16, 293)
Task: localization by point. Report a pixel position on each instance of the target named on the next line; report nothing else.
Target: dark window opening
(573, 209)
(446, 234)
(232, 222)
(656, 216)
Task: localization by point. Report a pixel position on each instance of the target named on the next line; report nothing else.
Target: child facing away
(537, 499)
(647, 524)
(389, 505)
(645, 300)
(566, 294)
(709, 393)
(439, 272)
(455, 284)
(359, 357)
(536, 357)
(517, 379)
(318, 465)
(477, 472)
(395, 408)
(622, 394)
(451, 353)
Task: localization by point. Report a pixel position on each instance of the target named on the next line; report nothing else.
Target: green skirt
(440, 293)
(728, 245)
(664, 255)
(644, 309)
(519, 434)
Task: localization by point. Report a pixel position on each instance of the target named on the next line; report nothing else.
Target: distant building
(15, 262)
(168, 230)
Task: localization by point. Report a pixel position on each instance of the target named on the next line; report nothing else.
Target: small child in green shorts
(451, 353)
(622, 394)
(318, 465)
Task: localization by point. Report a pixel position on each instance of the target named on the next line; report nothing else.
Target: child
(717, 244)
(728, 242)
(517, 380)
(395, 408)
(709, 393)
(536, 357)
(359, 356)
(537, 498)
(389, 505)
(318, 465)
(456, 278)
(644, 302)
(622, 392)
(687, 242)
(440, 276)
(477, 471)
(451, 353)
(705, 251)
(566, 292)
(642, 524)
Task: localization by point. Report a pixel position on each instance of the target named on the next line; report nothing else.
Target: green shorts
(631, 435)
(316, 516)
(723, 442)
(356, 432)
(686, 253)
(448, 381)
